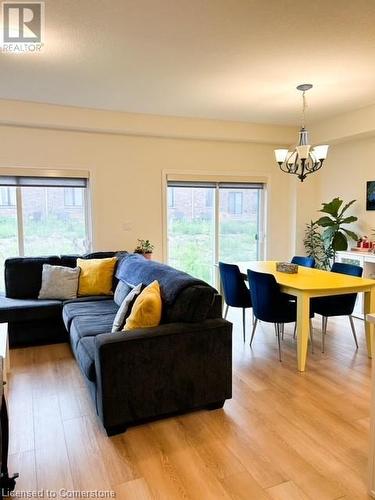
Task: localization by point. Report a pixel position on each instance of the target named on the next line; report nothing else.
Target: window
(73, 197)
(200, 235)
(171, 201)
(235, 203)
(7, 197)
(40, 221)
(209, 198)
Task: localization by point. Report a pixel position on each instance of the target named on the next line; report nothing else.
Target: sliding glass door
(211, 222)
(239, 223)
(191, 230)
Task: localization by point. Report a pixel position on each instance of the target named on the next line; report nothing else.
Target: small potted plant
(145, 248)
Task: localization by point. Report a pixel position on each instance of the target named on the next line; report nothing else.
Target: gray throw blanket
(136, 269)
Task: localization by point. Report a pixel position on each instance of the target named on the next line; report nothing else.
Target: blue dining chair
(337, 305)
(303, 261)
(235, 291)
(270, 304)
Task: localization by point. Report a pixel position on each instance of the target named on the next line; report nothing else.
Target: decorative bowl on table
(286, 267)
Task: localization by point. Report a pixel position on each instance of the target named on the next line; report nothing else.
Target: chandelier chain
(304, 106)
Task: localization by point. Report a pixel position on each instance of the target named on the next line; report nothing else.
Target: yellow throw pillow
(146, 311)
(96, 276)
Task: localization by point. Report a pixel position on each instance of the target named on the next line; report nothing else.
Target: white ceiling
(224, 59)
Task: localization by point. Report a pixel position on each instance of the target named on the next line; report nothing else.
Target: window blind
(220, 185)
(31, 181)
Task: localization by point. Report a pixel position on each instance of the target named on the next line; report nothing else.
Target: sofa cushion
(91, 308)
(96, 277)
(89, 326)
(28, 309)
(23, 276)
(194, 307)
(69, 260)
(122, 291)
(120, 254)
(89, 298)
(98, 255)
(146, 311)
(85, 354)
(59, 282)
(125, 308)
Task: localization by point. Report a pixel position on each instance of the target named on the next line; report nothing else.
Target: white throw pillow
(125, 308)
(59, 282)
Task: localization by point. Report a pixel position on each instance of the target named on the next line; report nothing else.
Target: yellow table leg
(303, 327)
(369, 327)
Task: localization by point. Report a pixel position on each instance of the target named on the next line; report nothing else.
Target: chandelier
(303, 159)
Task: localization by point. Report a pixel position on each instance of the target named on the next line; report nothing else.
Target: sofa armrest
(167, 369)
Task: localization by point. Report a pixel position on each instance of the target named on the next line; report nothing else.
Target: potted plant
(144, 247)
(334, 235)
(315, 247)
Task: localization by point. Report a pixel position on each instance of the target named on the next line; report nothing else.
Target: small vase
(147, 256)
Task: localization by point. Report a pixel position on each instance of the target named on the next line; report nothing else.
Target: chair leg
(226, 311)
(282, 331)
(253, 332)
(353, 331)
(278, 330)
(253, 317)
(295, 330)
(244, 323)
(324, 331)
(312, 337)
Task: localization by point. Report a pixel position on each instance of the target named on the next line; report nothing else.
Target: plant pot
(147, 256)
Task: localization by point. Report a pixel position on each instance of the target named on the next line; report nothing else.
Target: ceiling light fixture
(303, 159)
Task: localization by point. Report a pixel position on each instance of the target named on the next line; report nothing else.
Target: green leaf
(351, 234)
(346, 207)
(333, 207)
(348, 220)
(325, 221)
(339, 242)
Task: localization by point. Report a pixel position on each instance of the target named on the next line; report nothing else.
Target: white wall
(350, 165)
(126, 177)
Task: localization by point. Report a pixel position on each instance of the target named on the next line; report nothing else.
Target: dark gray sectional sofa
(183, 364)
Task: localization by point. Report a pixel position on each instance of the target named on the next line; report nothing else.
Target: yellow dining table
(308, 283)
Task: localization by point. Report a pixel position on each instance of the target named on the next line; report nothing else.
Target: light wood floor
(284, 435)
